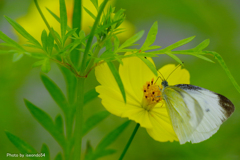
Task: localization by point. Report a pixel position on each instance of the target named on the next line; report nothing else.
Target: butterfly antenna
(174, 70)
(162, 78)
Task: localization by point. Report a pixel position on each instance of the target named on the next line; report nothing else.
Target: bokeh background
(218, 21)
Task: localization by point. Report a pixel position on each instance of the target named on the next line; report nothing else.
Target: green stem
(95, 54)
(129, 141)
(91, 35)
(76, 23)
(47, 24)
(79, 118)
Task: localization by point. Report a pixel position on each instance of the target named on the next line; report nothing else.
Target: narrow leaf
(112, 136)
(45, 152)
(89, 151)
(174, 57)
(225, 68)
(59, 123)
(32, 46)
(46, 67)
(179, 43)
(38, 55)
(50, 43)
(63, 17)
(95, 3)
(104, 153)
(151, 36)
(118, 79)
(132, 40)
(46, 121)
(22, 31)
(90, 95)
(44, 38)
(149, 64)
(8, 40)
(90, 13)
(37, 64)
(69, 34)
(116, 43)
(21, 145)
(55, 92)
(202, 45)
(203, 57)
(17, 56)
(92, 121)
(59, 156)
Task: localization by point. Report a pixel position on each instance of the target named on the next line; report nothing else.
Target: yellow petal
(162, 129)
(112, 100)
(135, 73)
(179, 76)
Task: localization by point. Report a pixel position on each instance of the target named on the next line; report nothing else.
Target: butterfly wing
(205, 111)
(216, 109)
(184, 119)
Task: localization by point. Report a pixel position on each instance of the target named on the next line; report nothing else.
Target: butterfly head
(164, 83)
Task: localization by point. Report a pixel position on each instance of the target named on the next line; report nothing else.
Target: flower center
(151, 94)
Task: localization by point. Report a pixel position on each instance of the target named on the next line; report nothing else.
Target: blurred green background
(178, 19)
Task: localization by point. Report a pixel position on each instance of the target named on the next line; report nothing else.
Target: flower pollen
(151, 94)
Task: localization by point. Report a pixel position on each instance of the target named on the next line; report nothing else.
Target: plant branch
(91, 35)
(47, 24)
(129, 141)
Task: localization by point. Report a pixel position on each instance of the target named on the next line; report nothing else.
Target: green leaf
(69, 34)
(203, 57)
(55, 92)
(32, 46)
(202, 45)
(45, 152)
(149, 64)
(17, 56)
(46, 121)
(57, 35)
(63, 17)
(50, 43)
(225, 68)
(59, 156)
(22, 31)
(37, 64)
(174, 57)
(21, 145)
(44, 39)
(150, 48)
(38, 55)
(58, 19)
(46, 67)
(90, 13)
(179, 43)
(116, 43)
(92, 121)
(118, 79)
(112, 136)
(8, 40)
(151, 36)
(90, 95)
(104, 153)
(89, 151)
(59, 123)
(132, 40)
(95, 3)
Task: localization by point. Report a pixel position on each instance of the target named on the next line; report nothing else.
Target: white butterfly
(196, 113)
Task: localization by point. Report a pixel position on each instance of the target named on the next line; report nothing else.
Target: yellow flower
(144, 104)
(33, 23)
